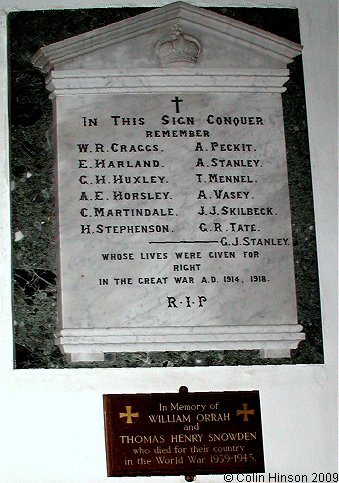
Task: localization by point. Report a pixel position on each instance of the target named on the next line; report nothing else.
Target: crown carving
(178, 48)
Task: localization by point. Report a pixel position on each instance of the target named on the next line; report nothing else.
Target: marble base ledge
(274, 353)
(86, 356)
(82, 345)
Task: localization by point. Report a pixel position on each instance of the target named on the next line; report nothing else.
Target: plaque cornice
(166, 80)
(291, 328)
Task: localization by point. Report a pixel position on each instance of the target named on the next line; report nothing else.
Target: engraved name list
(176, 209)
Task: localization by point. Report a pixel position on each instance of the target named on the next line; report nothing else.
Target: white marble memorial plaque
(173, 209)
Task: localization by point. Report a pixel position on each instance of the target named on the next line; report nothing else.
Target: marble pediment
(147, 41)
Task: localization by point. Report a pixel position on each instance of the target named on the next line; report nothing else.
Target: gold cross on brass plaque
(245, 411)
(129, 415)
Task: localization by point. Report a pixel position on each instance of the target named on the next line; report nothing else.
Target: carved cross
(129, 415)
(177, 100)
(245, 411)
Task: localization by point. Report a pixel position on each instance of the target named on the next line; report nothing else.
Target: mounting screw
(183, 390)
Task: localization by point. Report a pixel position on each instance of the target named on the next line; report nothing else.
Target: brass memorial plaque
(183, 434)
